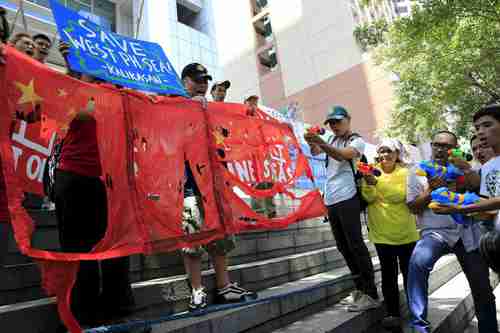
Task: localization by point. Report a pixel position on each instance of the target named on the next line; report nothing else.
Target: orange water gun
(316, 130)
(368, 169)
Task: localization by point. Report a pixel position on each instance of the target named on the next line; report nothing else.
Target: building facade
(184, 28)
(304, 51)
(283, 51)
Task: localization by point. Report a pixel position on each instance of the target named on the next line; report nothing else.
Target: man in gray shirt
(342, 200)
(440, 236)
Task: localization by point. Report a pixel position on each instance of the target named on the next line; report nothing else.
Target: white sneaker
(198, 299)
(352, 298)
(364, 303)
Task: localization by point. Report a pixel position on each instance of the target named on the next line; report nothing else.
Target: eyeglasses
(442, 146)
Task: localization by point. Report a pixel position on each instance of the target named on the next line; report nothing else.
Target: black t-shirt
(190, 187)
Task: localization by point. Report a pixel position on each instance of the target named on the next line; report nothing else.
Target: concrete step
(337, 319)
(472, 327)
(269, 316)
(168, 295)
(451, 307)
(21, 278)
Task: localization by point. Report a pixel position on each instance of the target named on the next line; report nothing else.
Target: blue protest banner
(114, 58)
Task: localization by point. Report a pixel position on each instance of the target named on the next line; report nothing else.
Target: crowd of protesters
(102, 292)
(405, 231)
(400, 223)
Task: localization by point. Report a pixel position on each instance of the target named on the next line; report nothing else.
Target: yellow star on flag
(219, 138)
(29, 95)
(71, 112)
(62, 93)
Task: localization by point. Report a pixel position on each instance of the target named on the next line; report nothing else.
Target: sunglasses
(334, 121)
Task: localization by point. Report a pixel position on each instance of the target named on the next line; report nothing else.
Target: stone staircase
(451, 308)
(299, 268)
(472, 327)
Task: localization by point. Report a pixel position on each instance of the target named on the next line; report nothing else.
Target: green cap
(337, 113)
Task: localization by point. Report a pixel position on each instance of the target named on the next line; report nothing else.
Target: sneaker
(198, 299)
(233, 293)
(352, 298)
(364, 303)
(422, 327)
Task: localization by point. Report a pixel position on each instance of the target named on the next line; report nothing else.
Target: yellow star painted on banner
(71, 112)
(29, 95)
(219, 138)
(62, 93)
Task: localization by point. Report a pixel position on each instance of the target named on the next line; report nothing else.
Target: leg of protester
(81, 217)
(477, 274)
(346, 227)
(427, 252)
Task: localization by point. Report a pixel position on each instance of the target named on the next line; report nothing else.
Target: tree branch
(484, 88)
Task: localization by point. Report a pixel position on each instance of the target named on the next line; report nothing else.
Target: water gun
(368, 169)
(316, 130)
(443, 196)
(457, 153)
(432, 169)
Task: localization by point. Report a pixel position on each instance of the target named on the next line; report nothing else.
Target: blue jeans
(428, 250)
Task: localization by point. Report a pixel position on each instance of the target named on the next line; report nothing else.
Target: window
(79, 5)
(258, 6)
(191, 18)
(44, 3)
(268, 58)
(104, 10)
(263, 27)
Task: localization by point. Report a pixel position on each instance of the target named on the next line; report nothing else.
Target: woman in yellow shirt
(392, 227)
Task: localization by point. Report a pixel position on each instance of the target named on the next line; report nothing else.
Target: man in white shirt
(440, 236)
(487, 126)
(342, 199)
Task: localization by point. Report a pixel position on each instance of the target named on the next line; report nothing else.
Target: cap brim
(202, 76)
(333, 118)
(226, 84)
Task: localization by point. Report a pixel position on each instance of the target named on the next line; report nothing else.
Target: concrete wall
(319, 62)
(236, 43)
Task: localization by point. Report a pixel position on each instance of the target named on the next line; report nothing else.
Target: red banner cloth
(143, 143)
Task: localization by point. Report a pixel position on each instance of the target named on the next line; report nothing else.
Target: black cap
(195, 71)
(226, 84)
(251, 96)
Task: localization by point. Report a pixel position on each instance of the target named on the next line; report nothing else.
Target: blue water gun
(432, 169)
(443, 196)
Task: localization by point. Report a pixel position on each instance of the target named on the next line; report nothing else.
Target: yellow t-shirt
(389, 219)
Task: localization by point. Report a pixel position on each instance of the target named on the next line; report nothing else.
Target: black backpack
(49, 172)
(363, 204)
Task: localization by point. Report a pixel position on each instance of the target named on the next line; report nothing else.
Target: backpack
(49, 172)
(363, 204)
